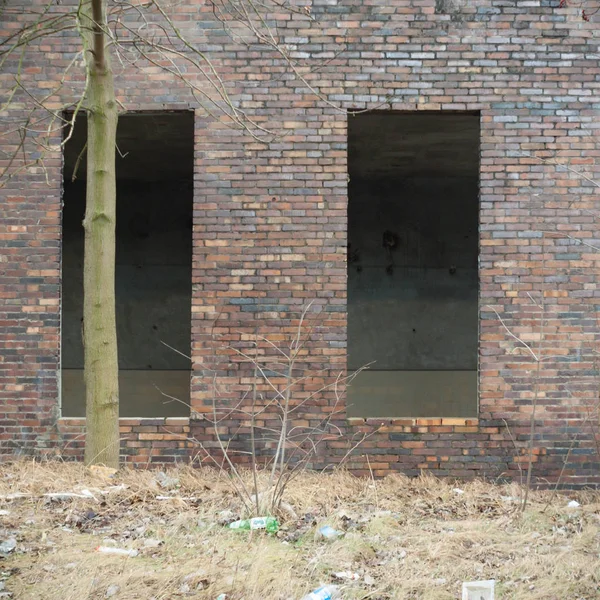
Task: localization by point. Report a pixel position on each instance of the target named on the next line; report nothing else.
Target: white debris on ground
(140, 535)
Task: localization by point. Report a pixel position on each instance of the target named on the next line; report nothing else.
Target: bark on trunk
(101, 370)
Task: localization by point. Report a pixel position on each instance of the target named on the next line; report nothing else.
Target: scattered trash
(458, 491)
(222, 597)
(7, 546)
(573, 504)
(225, 517)
(329, 533)
(269, 523)
(369, 580)
(184, 498)
(440, 581)
(348, 575)
(112, 590)
(4, 513)
(165, 481)
(118, 551)
(152, 543)
(478, 590)
(14, 496)
(70, 495)
(327, 592)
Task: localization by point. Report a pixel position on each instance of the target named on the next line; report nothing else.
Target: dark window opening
(413, 246)
(153, 265)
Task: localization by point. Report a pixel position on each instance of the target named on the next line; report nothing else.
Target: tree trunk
(101, 367)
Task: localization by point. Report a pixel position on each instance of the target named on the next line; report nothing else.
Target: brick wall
(270, 227)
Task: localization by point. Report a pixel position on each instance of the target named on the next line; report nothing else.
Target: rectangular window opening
(413, 243)
(155, 163)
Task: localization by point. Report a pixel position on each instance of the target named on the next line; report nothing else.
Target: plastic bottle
(268, 523)
(326, 592)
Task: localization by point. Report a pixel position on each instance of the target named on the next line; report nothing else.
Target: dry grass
(410, 538)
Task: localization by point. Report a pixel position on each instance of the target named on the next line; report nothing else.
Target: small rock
(152, 543)
(184, 588)
(458, 491)
(4, 513)
(7, 546)
(112, 590)
(369, 580)
(440, 581)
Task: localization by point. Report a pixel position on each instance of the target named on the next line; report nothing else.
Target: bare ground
(403, 538)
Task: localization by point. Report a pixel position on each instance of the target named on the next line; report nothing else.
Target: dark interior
(412, 263)
(154, 263)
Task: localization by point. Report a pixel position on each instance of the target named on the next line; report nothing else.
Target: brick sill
(131, 421)
(415, 422)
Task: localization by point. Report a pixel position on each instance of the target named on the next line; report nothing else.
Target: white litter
(14, 496)
(117, 551)
(478, 590)
(573, 504)
(69, 495)
(7, 546)
(185, 498)
(348, 575)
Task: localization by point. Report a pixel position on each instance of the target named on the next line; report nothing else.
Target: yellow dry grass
(405, 538)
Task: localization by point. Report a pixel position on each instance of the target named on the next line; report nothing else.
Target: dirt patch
(400, 538)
